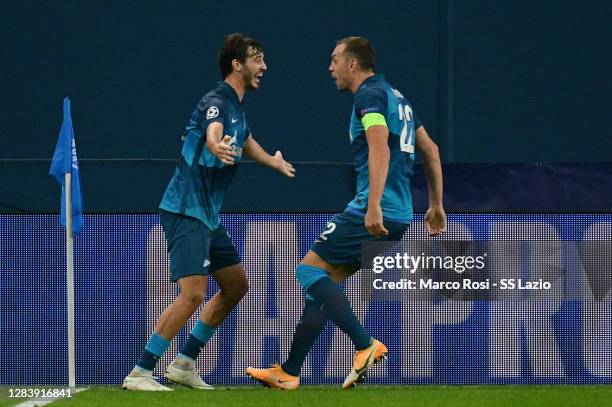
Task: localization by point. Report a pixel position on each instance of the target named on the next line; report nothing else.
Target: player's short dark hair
(236, 46)
(360, 49)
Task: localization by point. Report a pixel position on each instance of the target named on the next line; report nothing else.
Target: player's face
(255, 67)
(339, 68)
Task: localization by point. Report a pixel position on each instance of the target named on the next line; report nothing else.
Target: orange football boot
(365, 359)
(274, 377)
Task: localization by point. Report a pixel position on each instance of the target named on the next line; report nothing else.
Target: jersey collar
(230, 93)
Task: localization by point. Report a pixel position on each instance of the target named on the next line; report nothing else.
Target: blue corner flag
(65, 161)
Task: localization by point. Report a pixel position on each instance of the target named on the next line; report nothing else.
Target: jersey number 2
(331, 226)
(406, 140)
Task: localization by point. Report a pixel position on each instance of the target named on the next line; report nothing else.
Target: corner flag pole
(65, 170)
(70, 282)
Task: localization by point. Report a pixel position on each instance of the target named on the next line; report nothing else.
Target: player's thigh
(338, 248)
(225, 262)
(189, 242)
(340, 243)
(223, 252)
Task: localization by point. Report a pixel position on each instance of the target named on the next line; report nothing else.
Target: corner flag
(65, 169)
(65, 162)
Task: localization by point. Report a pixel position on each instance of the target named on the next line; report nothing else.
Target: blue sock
(335, 306)
(200, 335)
(306, 332)
(156, 346)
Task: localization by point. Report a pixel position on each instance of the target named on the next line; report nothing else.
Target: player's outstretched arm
(277, 162)
(435, 218)
(218, 145)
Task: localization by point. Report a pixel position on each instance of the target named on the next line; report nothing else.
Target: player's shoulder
(375, 87)
(384, 86)
(214, 96)
(371, 98)
(210, 107)
(370, 93)
(395, 92)
(213, 101)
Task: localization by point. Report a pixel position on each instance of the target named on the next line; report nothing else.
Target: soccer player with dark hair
(384, 132)
(215, 138)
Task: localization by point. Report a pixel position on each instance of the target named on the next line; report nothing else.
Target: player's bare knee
(243, 287)
(193, 298)
(314, 260)
(338, 273)
(239, 289)
(232, 282)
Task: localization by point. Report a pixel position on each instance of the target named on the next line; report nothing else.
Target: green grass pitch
(371, 396)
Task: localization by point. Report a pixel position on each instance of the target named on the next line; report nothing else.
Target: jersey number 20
(406, 140)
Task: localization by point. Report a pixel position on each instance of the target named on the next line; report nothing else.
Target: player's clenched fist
(374, 221)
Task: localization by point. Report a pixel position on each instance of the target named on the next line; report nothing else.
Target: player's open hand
(374, 221)
(223, 150)
(435, 221)
(283, 166)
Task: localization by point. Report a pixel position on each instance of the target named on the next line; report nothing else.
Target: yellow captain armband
(373, 119)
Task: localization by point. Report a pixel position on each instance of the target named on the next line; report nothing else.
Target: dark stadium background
(516, 93)
(496, 82)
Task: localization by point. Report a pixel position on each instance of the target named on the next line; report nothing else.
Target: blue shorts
(195, 249)
(340, 243)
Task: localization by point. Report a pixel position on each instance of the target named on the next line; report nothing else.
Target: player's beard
(249, 79)
(342, 85)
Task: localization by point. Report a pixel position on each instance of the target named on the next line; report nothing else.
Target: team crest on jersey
(212, 112)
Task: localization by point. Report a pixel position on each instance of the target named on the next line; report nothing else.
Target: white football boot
(143, 380)
(186, 375)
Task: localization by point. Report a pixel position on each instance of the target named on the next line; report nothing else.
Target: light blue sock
(155, 348)
(199, 337)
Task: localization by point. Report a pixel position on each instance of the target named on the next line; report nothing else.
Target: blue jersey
(376, 98)
(201, 179)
